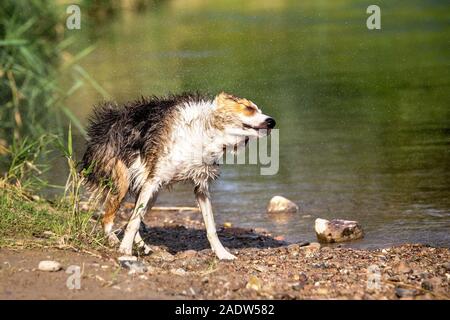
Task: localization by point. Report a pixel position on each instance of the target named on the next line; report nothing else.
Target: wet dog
(152, 143)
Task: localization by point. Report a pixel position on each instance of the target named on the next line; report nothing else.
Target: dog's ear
(223, 99)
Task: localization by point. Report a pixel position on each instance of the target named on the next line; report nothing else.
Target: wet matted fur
(144, 145)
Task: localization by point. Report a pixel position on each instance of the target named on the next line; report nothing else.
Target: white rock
(281, 204)
(48, 265)
(337, 230)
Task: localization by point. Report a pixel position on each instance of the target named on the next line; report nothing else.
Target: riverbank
(183, 267)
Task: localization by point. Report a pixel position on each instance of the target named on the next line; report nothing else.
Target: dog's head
(241, 117)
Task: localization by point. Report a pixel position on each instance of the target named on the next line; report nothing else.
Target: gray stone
(431, 284)
(405, 293)
(337, 230)
(134, 266)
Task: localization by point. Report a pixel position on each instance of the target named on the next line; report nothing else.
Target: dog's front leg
(147, 195)
(138, 239)
(208, 218)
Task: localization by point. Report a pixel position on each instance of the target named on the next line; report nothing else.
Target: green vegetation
(32, 220)
(33, 121)
(31, 50)
(29, 220)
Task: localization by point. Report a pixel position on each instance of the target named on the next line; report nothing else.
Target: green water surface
(364, 115)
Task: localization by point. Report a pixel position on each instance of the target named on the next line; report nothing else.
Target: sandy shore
(183, 267)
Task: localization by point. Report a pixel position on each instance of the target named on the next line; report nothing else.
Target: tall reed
(33, 114)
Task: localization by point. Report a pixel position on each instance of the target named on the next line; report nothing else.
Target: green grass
(34, 56)
(24, 218)
(29, 220)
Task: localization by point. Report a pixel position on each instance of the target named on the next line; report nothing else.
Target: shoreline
(183, 267)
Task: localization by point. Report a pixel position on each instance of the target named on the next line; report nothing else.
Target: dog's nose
(270, 123)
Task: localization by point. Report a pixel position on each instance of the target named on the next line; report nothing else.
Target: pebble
(431, 284)
(48, 234)
(261, 268)
(298, 286)
(322, 291)
(188, 254)
(162, 255)
(49, 265)
(135, 267)
(127, 258)
(310, 249)
(253, 283)
(404, 293)
(178, 272)
(131, 263)
(403, 267)
(427, 285)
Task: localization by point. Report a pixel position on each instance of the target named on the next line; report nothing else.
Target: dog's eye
(250, 108)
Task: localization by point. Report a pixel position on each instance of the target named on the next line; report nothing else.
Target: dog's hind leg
(206, 208)
(112, 205)
(146, 197)
(113, 201)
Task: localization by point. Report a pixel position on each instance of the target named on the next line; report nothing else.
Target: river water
(363, 116)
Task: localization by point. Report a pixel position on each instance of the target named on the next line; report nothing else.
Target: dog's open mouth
(247, 126)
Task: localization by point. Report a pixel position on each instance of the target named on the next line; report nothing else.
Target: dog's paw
(125, 251)
(145, 249)
(113, 240)
(226, 256)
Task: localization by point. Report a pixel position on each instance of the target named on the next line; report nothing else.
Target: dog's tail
(101, 167)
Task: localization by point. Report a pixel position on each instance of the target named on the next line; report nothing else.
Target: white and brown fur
(148, 144)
